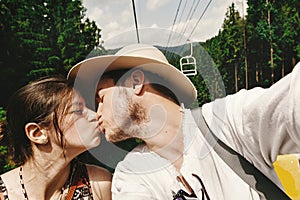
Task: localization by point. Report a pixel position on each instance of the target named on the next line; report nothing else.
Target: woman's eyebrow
(77, 102)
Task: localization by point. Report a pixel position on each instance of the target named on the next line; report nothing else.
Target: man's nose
(99, 111)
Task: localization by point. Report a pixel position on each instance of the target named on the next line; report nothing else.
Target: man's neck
(168, 143)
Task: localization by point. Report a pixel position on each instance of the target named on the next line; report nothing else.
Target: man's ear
(137, 78)
(36, 134)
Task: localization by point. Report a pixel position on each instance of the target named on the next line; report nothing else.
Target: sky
(160, 22)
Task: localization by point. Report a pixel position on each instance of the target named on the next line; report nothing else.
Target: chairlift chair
(188, 65)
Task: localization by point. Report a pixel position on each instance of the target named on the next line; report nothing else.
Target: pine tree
(227, 50)
(258, 45)
(40, 38)
(274, 38)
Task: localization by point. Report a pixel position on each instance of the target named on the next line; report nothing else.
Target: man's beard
(130, 117)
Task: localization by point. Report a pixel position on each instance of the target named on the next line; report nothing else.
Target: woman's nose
(92, 116)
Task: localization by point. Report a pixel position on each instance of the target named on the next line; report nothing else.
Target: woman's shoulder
(8, 183)
(10, 177)
(97, 173)
(100, 180)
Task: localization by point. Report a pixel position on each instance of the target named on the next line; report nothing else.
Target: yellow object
(288, 170)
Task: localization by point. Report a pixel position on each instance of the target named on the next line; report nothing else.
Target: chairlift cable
(200, 18)
(204, 11)
(188, 19)
(135, 20)
(190, 60)
(173, 25)
(179, 20)
(182, 11)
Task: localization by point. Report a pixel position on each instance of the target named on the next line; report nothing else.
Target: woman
(48, 126)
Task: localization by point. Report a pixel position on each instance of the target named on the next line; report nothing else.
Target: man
(140, 95)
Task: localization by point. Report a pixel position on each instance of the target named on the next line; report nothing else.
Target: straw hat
(145, 57)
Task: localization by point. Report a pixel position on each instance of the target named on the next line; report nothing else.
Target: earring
(44, 141)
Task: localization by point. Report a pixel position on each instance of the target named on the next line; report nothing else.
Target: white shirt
(259, 123)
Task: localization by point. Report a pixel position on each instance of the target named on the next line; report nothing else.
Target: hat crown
(144, 51)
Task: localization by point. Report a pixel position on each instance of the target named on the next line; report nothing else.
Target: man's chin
(116, 137)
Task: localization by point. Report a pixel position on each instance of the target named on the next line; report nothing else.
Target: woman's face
(80, 127)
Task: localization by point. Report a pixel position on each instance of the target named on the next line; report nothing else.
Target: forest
(45, 37)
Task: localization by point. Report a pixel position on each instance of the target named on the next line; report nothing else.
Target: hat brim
(89, 72)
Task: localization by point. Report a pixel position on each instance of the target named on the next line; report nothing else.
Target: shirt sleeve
(260, 123)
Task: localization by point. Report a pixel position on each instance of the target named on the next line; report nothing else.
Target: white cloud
(113, 17)
(126, 17)
(154, 26)
(156, 4)
(96, 14)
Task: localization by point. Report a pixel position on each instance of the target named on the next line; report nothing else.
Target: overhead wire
(179, 20)
(200, 18)
(188, 38)
(171, 32)
(183, 10)
(174, 22)
(188, 20)
(189, 17)
(135, 20)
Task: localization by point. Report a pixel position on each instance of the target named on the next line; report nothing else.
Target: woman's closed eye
(78, 112)
(78, 108)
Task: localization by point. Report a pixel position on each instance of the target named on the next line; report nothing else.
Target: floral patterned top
(78, 184)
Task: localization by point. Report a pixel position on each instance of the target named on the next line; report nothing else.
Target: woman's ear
(138, 79)
(36, 134)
